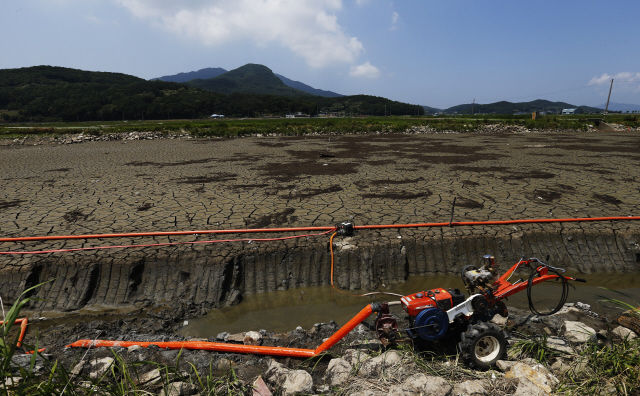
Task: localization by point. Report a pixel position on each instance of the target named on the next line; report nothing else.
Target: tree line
(46, 93)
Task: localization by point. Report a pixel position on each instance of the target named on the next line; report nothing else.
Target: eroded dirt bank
(189, 281)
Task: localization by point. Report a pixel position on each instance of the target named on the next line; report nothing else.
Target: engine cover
(413, 304)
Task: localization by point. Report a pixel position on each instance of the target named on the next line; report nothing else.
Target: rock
(528, 388)
(537, 374)
(222, 336)
(624, 332)
(379, 364)
(288, 380)
(236, 337)
(504, 365)
(275, 373)
(578, 332)
(150, 377)
(355, 357)
(179, 389)
(560, 344)
(499, 320)
(260, 388)
(11, 381)
(470, 388)
(421, 384)
(338, 372)
(298, 381)
(252, 338)
(134, 348)
(99, 366)
(577, 365)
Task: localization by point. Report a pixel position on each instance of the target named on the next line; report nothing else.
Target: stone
(578, 332)
(504, 365)
(289, 381)
(260, 388)
(470, 388)
(528, 388)
(235, 337)
(150, 377)
(179, 389)
(99, 366)
(252, 338)
(576, 366)
(275, 373)
(537, 374)
(338, 372)
(624, 332)
(355, 357)
(499, 320)
(560, 344)
(298, 381)
(421, 384)
(377, 365)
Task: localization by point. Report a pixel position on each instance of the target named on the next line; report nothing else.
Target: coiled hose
(563, 297)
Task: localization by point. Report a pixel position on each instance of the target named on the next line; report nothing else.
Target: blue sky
(428, 52)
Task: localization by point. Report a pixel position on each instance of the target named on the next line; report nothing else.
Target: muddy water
(283, 311)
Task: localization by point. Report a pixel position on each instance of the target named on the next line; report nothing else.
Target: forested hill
(52, 75)
(505, 107)
(203, 74)
(250, 78)
(47, 93)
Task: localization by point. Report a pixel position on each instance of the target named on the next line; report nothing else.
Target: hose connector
(346, 228)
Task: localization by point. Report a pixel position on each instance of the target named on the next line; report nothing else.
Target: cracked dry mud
(194, 184)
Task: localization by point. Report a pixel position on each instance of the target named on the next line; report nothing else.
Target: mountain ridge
(250, 78)
(213, 72)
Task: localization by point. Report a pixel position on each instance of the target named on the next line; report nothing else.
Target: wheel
(482, 345)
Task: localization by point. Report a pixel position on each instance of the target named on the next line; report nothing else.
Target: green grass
(292, 127)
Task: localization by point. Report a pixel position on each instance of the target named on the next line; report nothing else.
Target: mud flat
(264, 182)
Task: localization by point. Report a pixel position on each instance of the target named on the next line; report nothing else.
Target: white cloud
(310, 29)
(362, 2)
(394, 20)
(624, 81)
(365, 70)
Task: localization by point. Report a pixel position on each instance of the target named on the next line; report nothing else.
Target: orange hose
(235, 348)
(199, 345)
(23, 329)
(364, 227)
(356, 320)
(164, 233)
(496, 222)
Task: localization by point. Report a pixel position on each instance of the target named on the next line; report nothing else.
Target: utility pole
(607, 107)
(472, 105)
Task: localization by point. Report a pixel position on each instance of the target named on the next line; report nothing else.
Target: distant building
(216, 116)
(298, 115)
(571, 111)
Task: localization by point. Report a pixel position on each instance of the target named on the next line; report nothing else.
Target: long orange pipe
(23, 329)
(293, 229)
(199, 345)
(235, 348)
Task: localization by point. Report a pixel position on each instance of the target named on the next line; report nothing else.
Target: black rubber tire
(482, 345)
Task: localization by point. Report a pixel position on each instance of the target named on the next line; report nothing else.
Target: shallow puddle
(283, 311)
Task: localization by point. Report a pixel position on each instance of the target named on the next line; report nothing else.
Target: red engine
(413, 304)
